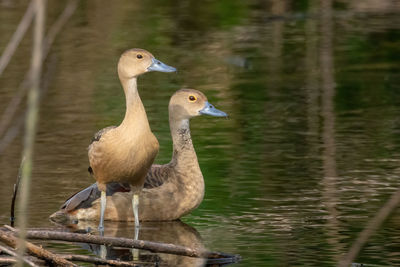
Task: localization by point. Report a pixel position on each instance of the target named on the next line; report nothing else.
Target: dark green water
(310, 151)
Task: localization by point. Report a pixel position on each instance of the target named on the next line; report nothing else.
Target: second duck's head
(189, 103)
(136, 61)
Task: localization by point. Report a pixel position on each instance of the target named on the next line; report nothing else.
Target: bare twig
(99, 261)
(8, 238)
(370, 229)
(57, 26)
(13, 131)
(16, 186)
(31, 119)
(7, 260)
(13, 260)
(12, 107)
(16, 38)
(10, 252)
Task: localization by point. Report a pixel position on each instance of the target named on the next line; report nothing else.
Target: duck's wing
(83, 199)
(156, 176)
(97, 136)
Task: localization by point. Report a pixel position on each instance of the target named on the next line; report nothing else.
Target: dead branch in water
(4, 260)
(12, 107)
(68, 257)
(10, 252)
(9, 239)
(122, 242)
(31, 119)
(14, 196)
(99, 261)
(16, 38)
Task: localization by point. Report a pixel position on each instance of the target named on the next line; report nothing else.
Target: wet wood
(14, 196)
(96, 260)
(9, 239)
(11, 252)
(122, 242)
(117, 242)
(7, 260)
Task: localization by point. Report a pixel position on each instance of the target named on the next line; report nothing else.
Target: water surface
(310, 151)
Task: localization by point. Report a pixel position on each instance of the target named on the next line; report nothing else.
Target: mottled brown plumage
(171, 190)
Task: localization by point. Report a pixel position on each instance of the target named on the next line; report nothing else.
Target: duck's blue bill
(209, 109)
(157, 65)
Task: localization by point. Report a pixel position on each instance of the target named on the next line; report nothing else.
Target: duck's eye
(192, 98)
(139, 56)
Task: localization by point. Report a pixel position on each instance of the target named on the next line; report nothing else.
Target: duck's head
(136, 61)
(189, 103)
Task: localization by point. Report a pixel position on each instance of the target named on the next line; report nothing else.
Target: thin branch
(7, 260)
(16, 186)
(10, 252)
(31, 120)
(58, 25)
(12, 132)
(99, 261)
(370, 229)
(9, 239)
(16, 128)
(16, 38)
(13, 260)
(12, 107)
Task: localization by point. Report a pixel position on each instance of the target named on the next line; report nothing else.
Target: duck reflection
(174, 232)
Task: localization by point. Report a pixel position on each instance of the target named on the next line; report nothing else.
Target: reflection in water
(328, 134)
(174, 232)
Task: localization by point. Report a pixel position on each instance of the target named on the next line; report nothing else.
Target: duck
(170, 190)
(126, 152)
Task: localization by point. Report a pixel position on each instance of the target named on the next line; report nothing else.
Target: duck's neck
(184, 155)
(186, 169)
(135, 115)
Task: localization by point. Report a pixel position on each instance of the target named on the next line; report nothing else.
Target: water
(310, 151)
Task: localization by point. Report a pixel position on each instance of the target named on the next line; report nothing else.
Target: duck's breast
(122, 158)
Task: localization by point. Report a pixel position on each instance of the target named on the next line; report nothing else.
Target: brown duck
(125, 153)
(170, 191)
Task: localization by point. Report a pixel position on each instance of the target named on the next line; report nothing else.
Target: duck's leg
(135, 208)
(103, 252)
(103, 202)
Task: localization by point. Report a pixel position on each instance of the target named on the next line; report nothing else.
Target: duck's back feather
(157, 175)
